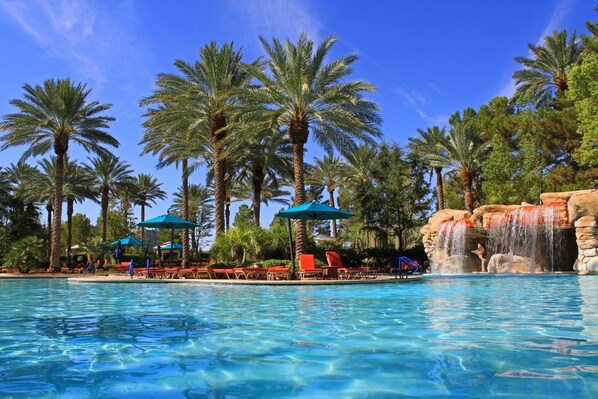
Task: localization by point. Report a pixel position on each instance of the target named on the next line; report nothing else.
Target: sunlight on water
(515, 337)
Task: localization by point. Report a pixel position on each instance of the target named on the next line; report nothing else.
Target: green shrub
(275, 262)
(26, 254)
(240, 245)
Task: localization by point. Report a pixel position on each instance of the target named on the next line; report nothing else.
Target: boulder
(583, 203)
(592, 265)
(445, 215)
(586, 222)
(480, 215)
(505, 263)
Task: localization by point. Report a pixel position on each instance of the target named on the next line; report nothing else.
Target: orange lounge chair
(276, 272)
(334, 260)
(307, 267)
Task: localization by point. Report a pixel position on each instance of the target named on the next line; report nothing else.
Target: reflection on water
(444, 337)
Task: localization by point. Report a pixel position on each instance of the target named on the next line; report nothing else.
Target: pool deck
(126, 279)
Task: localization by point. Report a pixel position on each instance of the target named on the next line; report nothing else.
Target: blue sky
(428, 59)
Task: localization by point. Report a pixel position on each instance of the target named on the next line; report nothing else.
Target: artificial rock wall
(577, 212)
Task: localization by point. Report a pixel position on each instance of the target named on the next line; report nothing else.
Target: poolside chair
(277, 272)
(307, 267)
(334, 260)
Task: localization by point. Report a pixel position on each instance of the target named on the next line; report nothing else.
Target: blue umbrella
(147, 268)
(313, 210)
(129, 241)
(131, 268)
(168, 221)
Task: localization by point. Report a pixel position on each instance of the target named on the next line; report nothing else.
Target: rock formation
(519, 238)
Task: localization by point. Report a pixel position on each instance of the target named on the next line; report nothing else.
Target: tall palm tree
(304, 94)
(146, 190)
(110, 175)
(49, 117)
(359, 164)
(78, 186)
(208, 88)
(463, 151)
(329, 172)
(170, 133)
(199, 204)
(546, 71)
(266, 155)
(427, 145)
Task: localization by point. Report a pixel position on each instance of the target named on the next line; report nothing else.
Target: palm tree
(110, 175)
(18, 178)
(199, 204)
(463, 151)
(427, 145)
(78, 186)
(359, 164)
(146, 191)
(328, 172)
(207, 87)
(49, 117)
(270, 191)
(304, 94)
(170, 133)
(264, 156)
(546, 71)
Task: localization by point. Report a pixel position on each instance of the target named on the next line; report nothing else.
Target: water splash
(531, 232)
(450, 242)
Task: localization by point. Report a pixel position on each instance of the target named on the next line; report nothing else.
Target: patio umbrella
(168, 221)
(313, 210)
(129, 241)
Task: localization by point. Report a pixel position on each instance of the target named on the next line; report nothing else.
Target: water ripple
(468, 337)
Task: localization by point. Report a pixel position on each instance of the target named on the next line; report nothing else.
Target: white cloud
(277, 18)
(554, 23)
(93, 42)
(416, 100)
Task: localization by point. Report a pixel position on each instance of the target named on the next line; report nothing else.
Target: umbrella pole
(171, 245)
(293, 275)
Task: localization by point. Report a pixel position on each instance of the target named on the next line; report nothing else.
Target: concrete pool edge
(127, 279)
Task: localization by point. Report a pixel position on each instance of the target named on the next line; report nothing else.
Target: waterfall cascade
(453, 249)
(559, 235)
(527, 239)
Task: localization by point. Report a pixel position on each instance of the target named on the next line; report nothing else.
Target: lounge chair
(307, 267)
(334, 260)
(277, 272)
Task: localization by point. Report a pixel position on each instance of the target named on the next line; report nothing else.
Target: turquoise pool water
(469, 337)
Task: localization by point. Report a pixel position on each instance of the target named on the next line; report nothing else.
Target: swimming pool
(477, 336)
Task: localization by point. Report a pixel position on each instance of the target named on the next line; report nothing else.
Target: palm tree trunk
(439, 188)
(104, 201)
(478, 190)
(331, 193)
(69, 226)
(185, 209)
(301, 235)
(257, 182)
(143, 219)
(50, 209)
(216, 124)
(56, 228)
(466, 181)
(227, 212)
